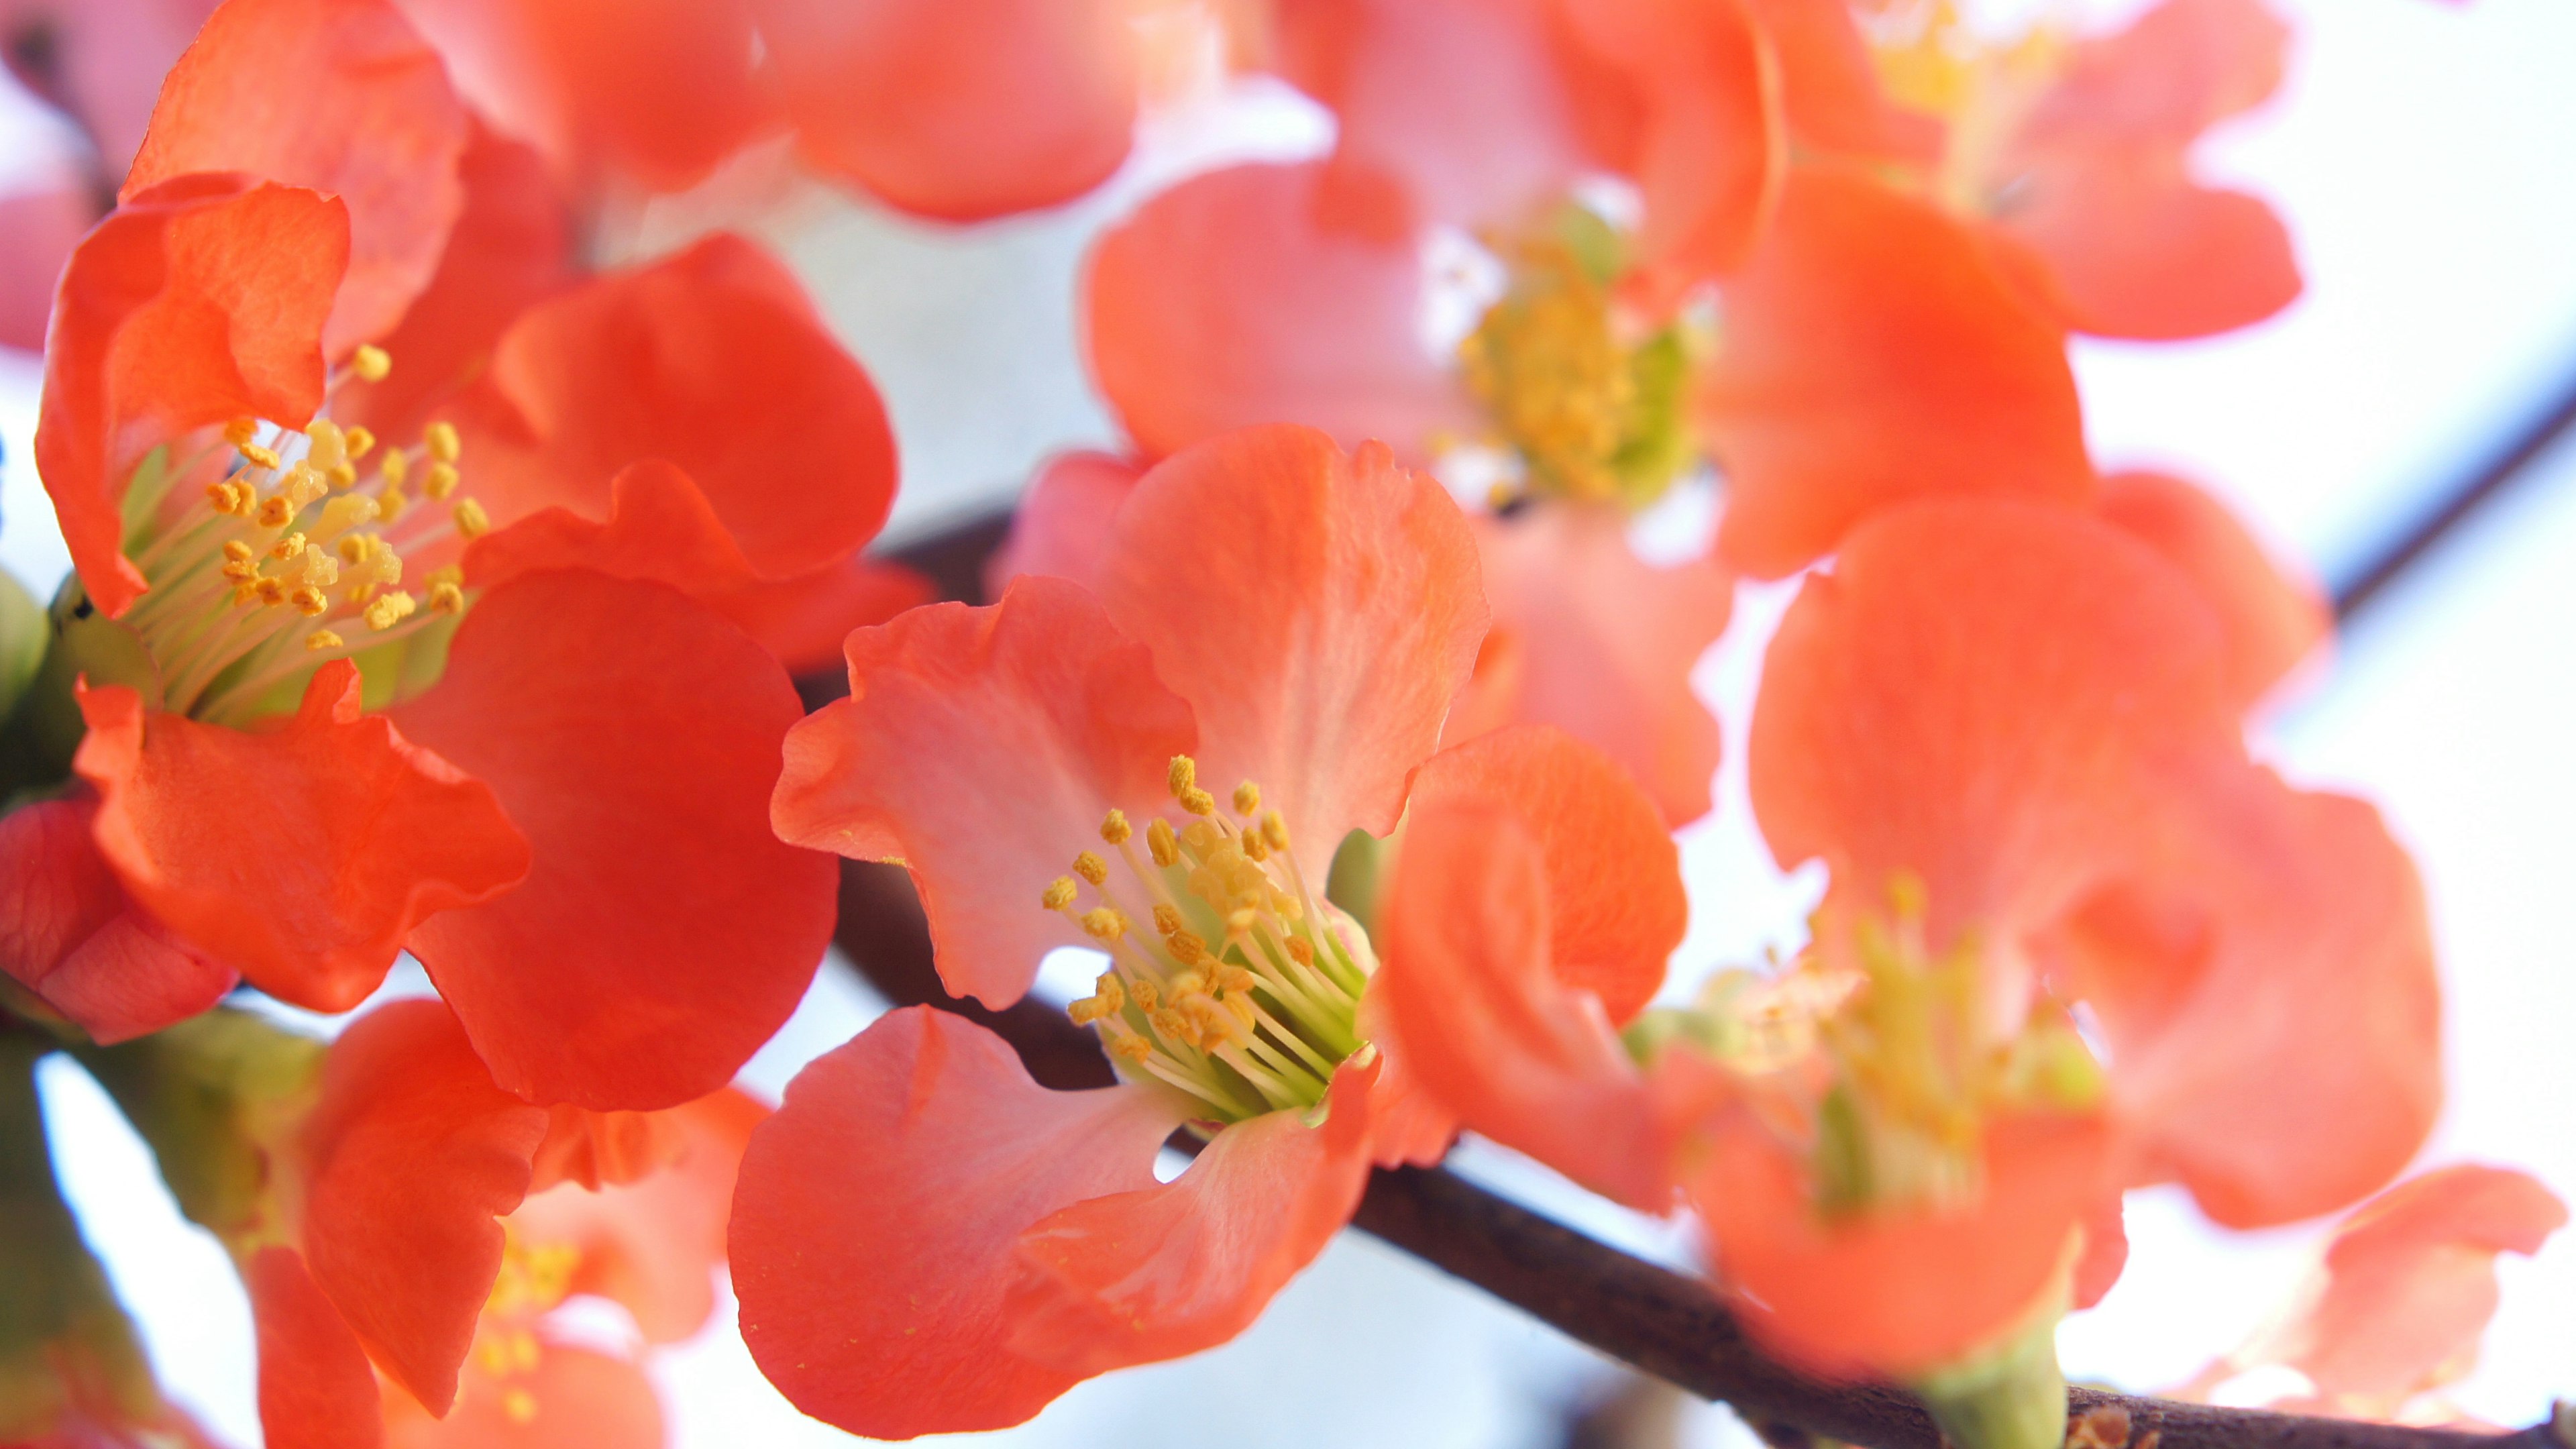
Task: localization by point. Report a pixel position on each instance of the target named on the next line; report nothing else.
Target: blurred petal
(1829, 87)
(1319, 613)
(414, 1157)
(1603, 643)
(1615, 907)
(1065, 520)
(1981, 694)
(982, 747)
(874, 1231)
(100, 62)
(1902, 1291)
(67, 933)
(38, 228)
(316, 1388)
(1517, 1049)
(961, 110)
(711, 360)
(1873, 351)
(633, 736)
(1160, 1271)
(2273, 617)
(194, 304)
(342, 96)
(303, 857)
(1232, 299)
(573, 1398)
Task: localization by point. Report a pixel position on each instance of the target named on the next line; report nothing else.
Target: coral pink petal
(1233, 299)
(1484, 1019)
(316, 1388)
(633, 736)
(571, 1398)
(876, 1225)
(1980, 694)
(982, 748)
(38, 228)
(194, 304)
(1319, 612)
(2273, 616)
(1162, 1271)
(363, 835)
(1064, 522)
(1829, 86)
(1602, 644)
(960, 110)
(342, 96)
(802, 621)
(1874, 351)
(413, 1157)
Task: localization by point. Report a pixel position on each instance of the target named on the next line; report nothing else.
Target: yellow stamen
(442, 441)
(241, 430)
(259, 456)
(1059, 893)
(371, 362)
(471, 521)
(360, 442)
(441, 482)
(1113, 828)
(1247, 798)
(1091, 868)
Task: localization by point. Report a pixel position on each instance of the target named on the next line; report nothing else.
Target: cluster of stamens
(297, 550)
(1242, 995)
(1934, 58)
(534, 1279)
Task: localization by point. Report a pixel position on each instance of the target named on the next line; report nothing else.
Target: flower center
(534, 1280)
(1933, 59)
(1590, 410)
(290, 556)
(1242, 995)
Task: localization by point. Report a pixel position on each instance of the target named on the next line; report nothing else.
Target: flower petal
(1521, 1050)
(1169, 1269)
(101, 62)
(38, 228)
(316, 1388)
(302, 857)
(1830, 93)
(1603, 644)
(1873, 351)
(1979, 695)
(193, 304)
(633, 735)
(657, 92)
(413, 1157)
(1065, 520)
(67, 934)
(1907, 1290)
(367, 116)
(572, 1398)
(960, 110)
(711, 359)
(802, 621)
(982, 747)
(1318, 612)
(874, 1228)
(2273, 617)
(1232, 299)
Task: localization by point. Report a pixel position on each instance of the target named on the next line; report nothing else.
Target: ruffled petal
(572, 1398)
(633, 736)
(303, 857)
(2272, 616)
(1700, 91)
(1903, 1291)
(1519, 1050)
(1874, 350)
(1980, 694)
(657, 92)
(2267, 989)
(1463, 106)
(1615, 906)
(511, 248)
(1233, 299)
(875, 1228)
(712, 360)
(414, 1156)
(653, 1241)
(982, 747)
(1064, 522)
(960, 110)
(1160, 1271)
(193, 304)
(2408, 1286)
(67, 933)
(802, 621)
(316, 1388)
(1602, 645)
(1830, 93)
(38, 228)
(342, 96)
(1319, 613)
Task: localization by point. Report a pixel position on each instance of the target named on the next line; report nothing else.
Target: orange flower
(919, 1242)
(2011, 733)
(570, 729)
(2395, 1307)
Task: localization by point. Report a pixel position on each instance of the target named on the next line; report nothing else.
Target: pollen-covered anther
(1059, 893)
(1167, 920)
(1215, 1025)
(231, 499)
(446, 597)
(1247, 798)
(321, 639)
(311, 602)
(360, 442)
(267, 590)
(440, 437)
(1198, 802)
(471, 520)
(441, 482)
(283, 550)
(1104, 924)
(1183, 776)
(395, 468)
(1255, 849)
(390, 609)
(275, 511)
(240, 431)
(1091, 868)
(1187, 947)
(1274, 831)
(259, 456)
(371, 362)
(1114, 827)
(1301, 951)
(1161, 843)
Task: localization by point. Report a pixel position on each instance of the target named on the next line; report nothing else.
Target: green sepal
(1358, 876)
(25, 635)
(209, 1095)
(2012, 1396)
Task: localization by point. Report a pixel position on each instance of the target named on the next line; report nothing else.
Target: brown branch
(1665, 1323)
